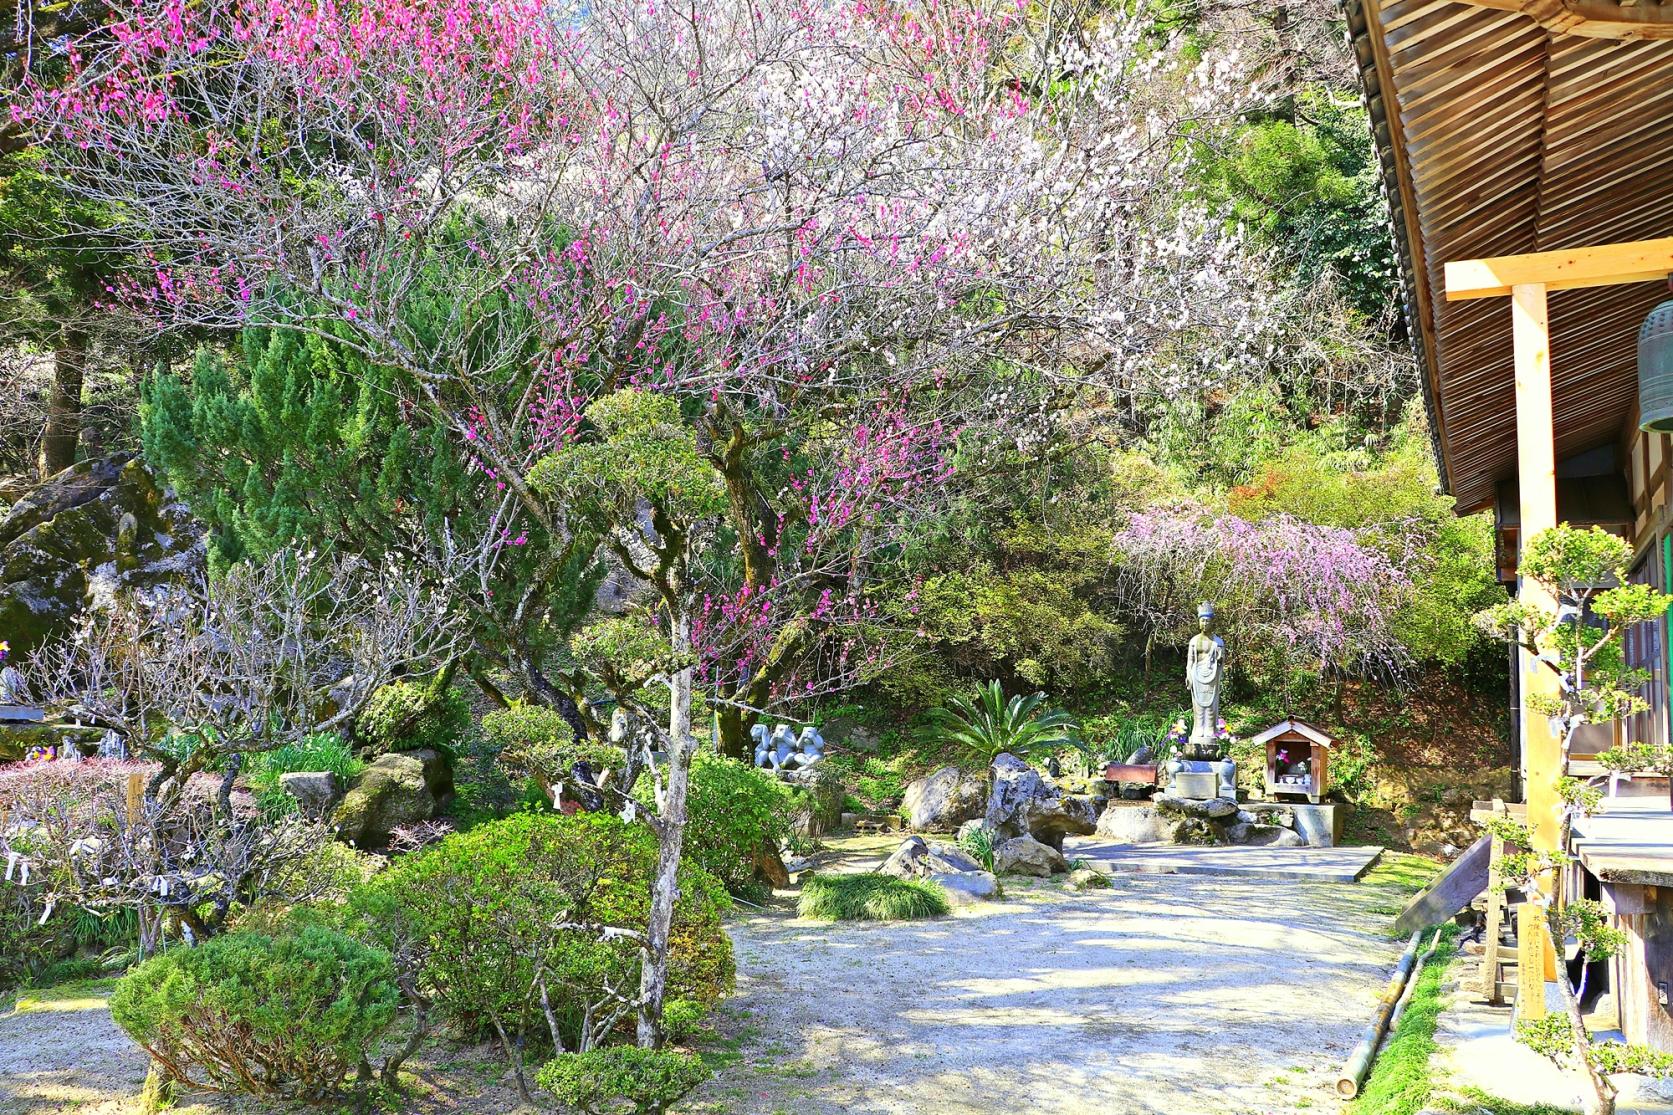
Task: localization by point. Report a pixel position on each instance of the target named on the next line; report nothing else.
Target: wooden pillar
(1536, 466)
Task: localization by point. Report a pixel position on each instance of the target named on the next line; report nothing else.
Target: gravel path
(1169, 994)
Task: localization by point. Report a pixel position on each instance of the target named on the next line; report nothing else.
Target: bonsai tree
(1586, 571)
(1641, 758)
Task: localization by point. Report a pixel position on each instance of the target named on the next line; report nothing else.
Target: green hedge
(287, 1015)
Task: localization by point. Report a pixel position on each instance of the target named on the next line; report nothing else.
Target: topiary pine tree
(297, 440)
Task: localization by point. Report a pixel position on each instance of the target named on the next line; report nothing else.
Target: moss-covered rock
(96, 528)
(398, 788)
(402, 716)
(16, 739)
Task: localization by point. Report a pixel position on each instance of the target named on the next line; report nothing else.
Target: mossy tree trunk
(63, 417)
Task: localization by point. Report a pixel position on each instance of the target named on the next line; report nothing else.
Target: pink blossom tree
(868, 248)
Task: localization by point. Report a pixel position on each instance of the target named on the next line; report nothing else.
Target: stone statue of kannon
(1205, 659)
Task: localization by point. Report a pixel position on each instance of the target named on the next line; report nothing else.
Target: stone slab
(1320, 825)
(1322, 865)
(1194, 784)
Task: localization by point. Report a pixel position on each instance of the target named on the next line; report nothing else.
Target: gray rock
(821, 808)
(1320, 825)
(1025, 803)
(1130, 823)
(317, 792)
(950, 857)
(1212, 809)
(917, 858)
(1088, 878)
(966, 888)
(1024, 855)
(943, 801)
(399, 788)
(903, 863)
(1267, 813)
(1266, 836)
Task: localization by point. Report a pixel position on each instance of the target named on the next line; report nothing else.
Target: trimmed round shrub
(483, 918)
(287, 1015)
(870, 897)
(733, 813)
(622, 1078)
(402, 716)
(537, 741)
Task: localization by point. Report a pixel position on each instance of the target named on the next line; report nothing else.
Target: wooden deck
(1629, 841)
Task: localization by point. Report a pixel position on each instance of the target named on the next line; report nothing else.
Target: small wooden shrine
(1297, 760)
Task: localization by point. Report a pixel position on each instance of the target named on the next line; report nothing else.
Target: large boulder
(943, 801)
(1128, 822)
(399, 788)
(1024, 855)
(819, 809)
(1088, 878)
(98, 527)
(1266, 836)
(1026, 803)
(1209, 809)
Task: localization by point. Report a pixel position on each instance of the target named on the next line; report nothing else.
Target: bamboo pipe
(1411, 982)
(1359, 1061)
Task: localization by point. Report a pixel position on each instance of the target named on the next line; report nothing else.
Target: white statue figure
(762, 747)
(784, 746)
(1205, 659)
(810, 746)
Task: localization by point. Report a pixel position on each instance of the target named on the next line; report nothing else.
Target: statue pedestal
(1202, 779)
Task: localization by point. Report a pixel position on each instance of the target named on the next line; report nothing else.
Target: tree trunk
(653, 975)
(734, 732)
(679, 686)
(1602, 1099)
(63, 416)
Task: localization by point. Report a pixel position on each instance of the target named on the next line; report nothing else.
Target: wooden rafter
(1567, 269)
(1593, 19)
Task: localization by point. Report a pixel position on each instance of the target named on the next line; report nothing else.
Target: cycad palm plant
(982, 728)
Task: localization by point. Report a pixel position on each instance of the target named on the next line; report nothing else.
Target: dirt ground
(1183, 995)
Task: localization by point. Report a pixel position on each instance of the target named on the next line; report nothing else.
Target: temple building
(1527, 154)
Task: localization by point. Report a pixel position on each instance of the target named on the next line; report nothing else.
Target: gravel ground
(1169, 994)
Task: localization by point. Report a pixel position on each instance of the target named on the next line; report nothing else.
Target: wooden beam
(1536, 456)
(1607, 265)
(1593, 19)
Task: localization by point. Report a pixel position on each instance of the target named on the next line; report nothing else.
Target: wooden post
(1536, 460)
(1495, 920)
(136, 793)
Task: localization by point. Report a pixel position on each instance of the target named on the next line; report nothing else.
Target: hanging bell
(1655, 370)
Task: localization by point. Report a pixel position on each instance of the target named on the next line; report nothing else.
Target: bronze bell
(1655, 370)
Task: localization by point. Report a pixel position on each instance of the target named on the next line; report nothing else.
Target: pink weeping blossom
(1307, 596)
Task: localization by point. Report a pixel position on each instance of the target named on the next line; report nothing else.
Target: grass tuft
(1400, 1083)
(870, 897)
